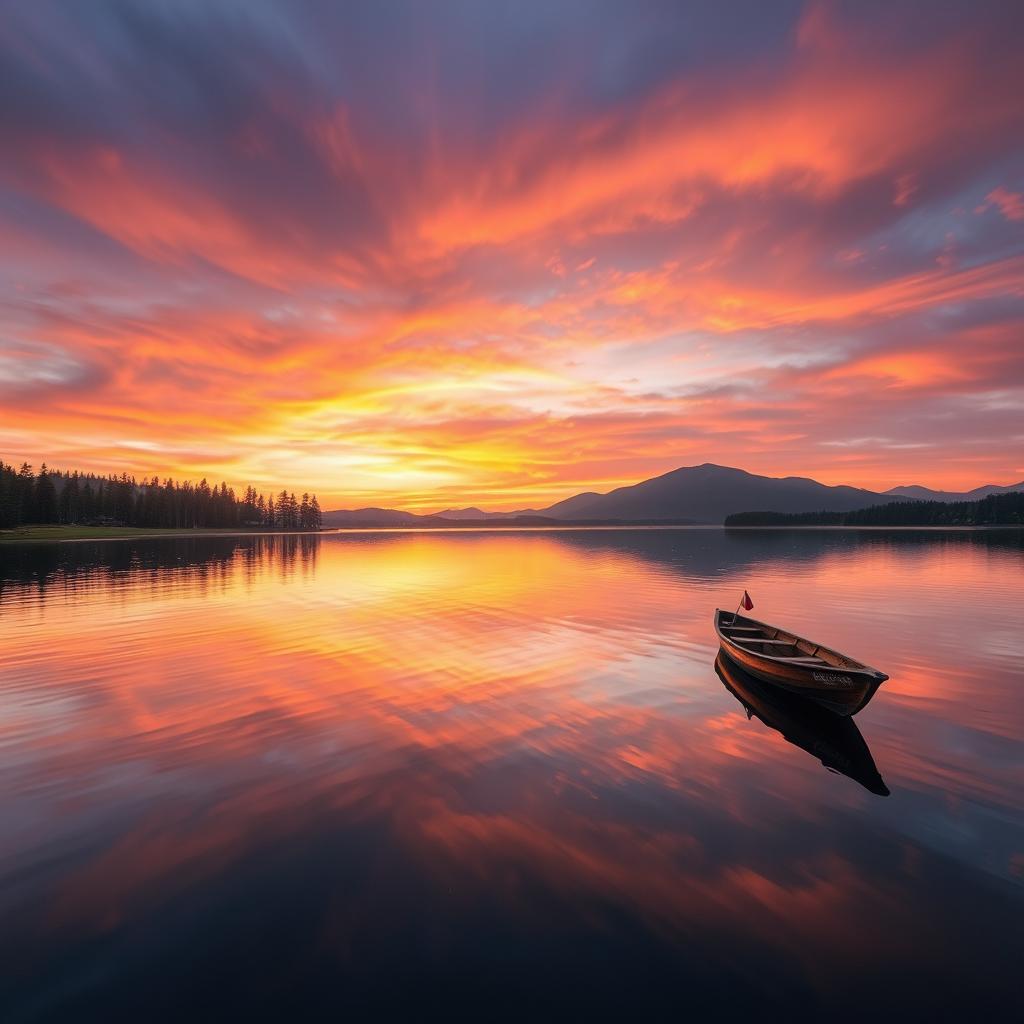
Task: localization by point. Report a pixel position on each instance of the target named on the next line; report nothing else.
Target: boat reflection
(835, 741)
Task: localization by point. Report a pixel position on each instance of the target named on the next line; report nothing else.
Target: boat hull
(843, 689)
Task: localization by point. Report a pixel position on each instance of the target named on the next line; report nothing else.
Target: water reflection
(359, 773)
(205, 561)
(835, 741)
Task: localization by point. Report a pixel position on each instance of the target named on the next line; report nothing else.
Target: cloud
(501, 255)
(1010, 204)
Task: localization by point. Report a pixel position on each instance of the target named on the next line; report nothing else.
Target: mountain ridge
(703, 494)
(919, 493)
(707, 493)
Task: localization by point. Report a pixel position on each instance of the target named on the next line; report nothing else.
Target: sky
(433, 254)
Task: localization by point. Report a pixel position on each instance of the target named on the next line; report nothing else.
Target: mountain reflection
(691, 553)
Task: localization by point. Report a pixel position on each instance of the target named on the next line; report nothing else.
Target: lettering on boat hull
(831, 680)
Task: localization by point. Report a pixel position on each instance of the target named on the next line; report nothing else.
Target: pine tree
(10, 497)
(88, 503)
(70, 500)
(25, 494)
(45, 510)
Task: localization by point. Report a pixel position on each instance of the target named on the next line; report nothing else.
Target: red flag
(746, 603)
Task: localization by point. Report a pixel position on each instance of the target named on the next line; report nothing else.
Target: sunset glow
(428, 255)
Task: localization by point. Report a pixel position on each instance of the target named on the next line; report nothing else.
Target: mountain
(694, 494)
(475, 514)
(919, 493)
(370, 517)
(708, 493)
(375, 517)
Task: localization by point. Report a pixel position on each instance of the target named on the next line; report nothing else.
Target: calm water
(495, 773)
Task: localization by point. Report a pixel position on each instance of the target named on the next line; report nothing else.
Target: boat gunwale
(858, 667)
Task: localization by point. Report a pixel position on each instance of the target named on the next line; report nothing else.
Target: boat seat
(744, 629)
(758, 640)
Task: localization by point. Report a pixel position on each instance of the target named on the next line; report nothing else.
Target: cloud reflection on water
(416, 739)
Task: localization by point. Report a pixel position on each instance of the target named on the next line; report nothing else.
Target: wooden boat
(834, 741)
(801, 666)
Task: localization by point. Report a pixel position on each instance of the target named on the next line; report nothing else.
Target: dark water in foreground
(494, 774)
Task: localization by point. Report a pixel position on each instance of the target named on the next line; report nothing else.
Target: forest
(84, 499)
(995, 510)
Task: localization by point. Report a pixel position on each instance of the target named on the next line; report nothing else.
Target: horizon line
(459, 506)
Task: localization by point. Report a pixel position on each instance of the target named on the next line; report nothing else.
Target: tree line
(995, 510)
(84, 499)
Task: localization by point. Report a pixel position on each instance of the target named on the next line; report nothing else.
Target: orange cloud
(590, 293)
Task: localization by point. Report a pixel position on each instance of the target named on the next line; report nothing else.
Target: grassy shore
(34, 533)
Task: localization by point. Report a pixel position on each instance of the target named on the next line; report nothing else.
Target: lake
(375, 774)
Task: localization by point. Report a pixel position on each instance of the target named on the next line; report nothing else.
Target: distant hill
(370, 517)
(374, 518)
(474, 514)
(919, 493)
(707, 494)
(395, 517)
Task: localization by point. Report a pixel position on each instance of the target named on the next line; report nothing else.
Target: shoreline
(85, 534)
(78, 535)
(855, 526)
(650, 526)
